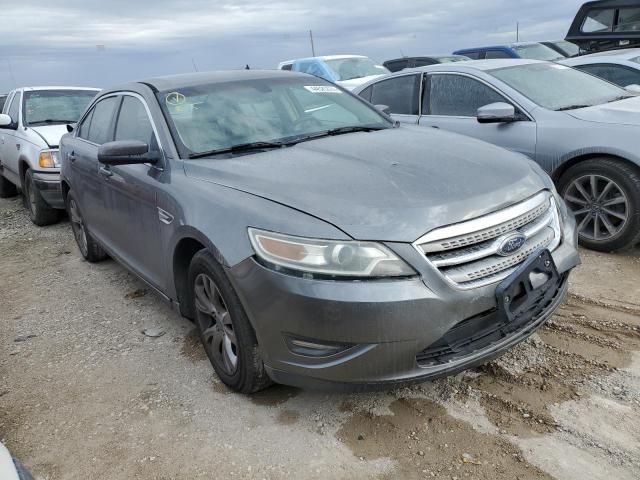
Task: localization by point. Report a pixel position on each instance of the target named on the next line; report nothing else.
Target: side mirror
(5, 121)
(384, 109)
(124, 152)
(499, 112)
(633, 88)
(71, 127)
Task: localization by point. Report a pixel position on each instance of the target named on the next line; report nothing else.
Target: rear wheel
(604, 195)
(225, 331)
(89, 248)
(40, 212)
(7, 189)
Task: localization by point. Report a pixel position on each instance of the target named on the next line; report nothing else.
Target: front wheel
(225, 331)
(40, 212)
(604, 195)
(89, 248)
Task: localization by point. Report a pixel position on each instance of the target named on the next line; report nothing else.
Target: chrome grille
(467, 253)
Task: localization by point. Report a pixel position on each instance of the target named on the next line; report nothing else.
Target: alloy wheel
(77, 226)
(216, 326)
(601, 207)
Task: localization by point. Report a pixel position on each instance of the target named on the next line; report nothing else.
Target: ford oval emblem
(512, 244)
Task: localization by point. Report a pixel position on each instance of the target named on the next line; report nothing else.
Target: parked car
(582, 130)
(32, 122)
(398, 64)
(531, 50)
(3, 98)
(564, 48)
(621, 67)
(11, 468)
(313, 242)
(348, 71)
(606, 25)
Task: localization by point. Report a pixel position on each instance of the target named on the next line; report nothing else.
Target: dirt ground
(85, 395)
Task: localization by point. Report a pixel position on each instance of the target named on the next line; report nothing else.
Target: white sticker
(323, 89)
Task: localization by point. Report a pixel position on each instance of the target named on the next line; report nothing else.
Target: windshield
(350, 68)
(558, 87)
(571, 49)
(219, 116)
(55, 106)
(537, 51)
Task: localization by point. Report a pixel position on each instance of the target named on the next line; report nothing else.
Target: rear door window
(474, 55)
(102, 118)
(458, 96)
(497, 54)
(400, 94)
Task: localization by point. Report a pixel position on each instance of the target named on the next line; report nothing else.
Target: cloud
(48, 42)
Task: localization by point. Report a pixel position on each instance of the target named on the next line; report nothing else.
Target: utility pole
(517, 31)
(313, 48)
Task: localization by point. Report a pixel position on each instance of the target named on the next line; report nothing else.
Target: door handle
(435, 126)
(105, 172)
(71, 157)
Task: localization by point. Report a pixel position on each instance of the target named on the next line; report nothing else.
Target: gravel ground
(84, 394)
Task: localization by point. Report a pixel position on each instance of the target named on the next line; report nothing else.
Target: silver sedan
(581, 130)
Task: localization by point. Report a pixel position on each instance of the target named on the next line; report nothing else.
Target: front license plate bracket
(529, 289)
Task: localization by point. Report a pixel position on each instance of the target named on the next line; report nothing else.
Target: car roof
(190, 79)
(623, 53)
(482, 65)
(504, 45)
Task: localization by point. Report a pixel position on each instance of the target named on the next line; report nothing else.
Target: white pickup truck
(31, 123)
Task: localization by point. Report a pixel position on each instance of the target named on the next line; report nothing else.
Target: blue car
(530, 50)
(348, 71)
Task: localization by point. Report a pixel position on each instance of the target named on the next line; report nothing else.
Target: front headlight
(328, 257)
(49, 159)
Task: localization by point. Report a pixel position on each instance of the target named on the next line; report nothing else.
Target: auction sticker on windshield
(322, 89)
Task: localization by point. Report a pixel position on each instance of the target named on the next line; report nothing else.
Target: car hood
(356, 82)
(623, 112)
(51, 134)
(392, 185)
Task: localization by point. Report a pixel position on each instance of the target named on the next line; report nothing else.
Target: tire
(7, 189)
(40, 212)
(225, 330)
(89, 248)
(604, 195)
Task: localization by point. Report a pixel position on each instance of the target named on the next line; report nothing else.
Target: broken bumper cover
(377, 334)
(48, 184)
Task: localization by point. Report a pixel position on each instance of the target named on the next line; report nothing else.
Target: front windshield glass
(220, 116)
(350, 68)
(537, 51)
(570, 48)
(558, 87)
(43, 107)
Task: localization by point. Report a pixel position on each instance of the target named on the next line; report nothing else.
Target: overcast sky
(105, 42)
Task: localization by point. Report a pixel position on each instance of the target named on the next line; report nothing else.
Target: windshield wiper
(52, 120)
(572, 107)
(343, 130)
(242, 147)
(620, 97)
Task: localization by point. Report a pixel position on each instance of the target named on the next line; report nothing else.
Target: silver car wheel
(600, 206)
(215, 323)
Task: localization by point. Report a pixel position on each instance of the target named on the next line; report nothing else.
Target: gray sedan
(311, 240)
(582, 130)
(621, 67)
